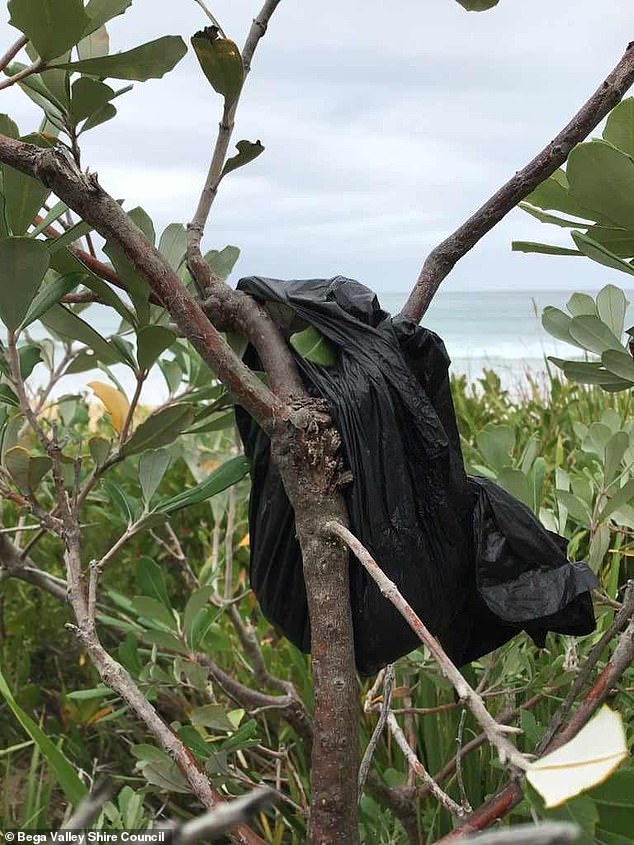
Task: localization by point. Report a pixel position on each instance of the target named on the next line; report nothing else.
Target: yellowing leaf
(115, 402)
(100, 714)
(584, 762)
(244, 542)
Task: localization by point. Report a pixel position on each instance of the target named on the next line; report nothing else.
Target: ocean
(493, 329)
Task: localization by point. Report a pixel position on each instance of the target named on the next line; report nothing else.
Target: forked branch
(495, 733)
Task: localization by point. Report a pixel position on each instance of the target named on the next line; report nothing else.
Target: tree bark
(309, 468)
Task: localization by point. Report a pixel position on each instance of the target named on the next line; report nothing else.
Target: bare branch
(442, 259)
(388, 683)
(13, 51)
(15, 566)
(549, 833)
(503, 802)
(290, 705)
(210, 189)
(224, 818)
(619, 622)
(495, 732)
(439, 794)
(37, 65)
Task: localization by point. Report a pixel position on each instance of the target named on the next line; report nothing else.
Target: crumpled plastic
(473, 561)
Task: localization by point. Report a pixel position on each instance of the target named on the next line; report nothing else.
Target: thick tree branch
(441, 260)
(54, 168)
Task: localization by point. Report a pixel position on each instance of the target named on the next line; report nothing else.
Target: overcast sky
(385, 124)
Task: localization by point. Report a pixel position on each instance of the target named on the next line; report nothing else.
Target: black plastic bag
(473, 562)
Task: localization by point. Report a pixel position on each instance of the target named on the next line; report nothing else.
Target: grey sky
(384, 126)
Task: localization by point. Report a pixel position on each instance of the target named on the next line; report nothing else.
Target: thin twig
(438, 793)
(464, 801)
(548, 833)
(13, 51)
(494, 731)
(37, 66)
(619, 622)
(442, 259)
(366, 762)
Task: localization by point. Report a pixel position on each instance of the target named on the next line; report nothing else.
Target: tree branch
(501, 804)
(442, 259)
(54, 168)
(13, 50)
(26, 570)
(494, 731)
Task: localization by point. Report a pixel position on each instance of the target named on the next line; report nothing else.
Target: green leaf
(228, 474)
(601, 254)
(575, 506)
(61, 768)
(65, 262)
(614, 451)
(149, 61)
(23, 198)
(544, 217)
(165, 640)
(313, 346)
(247, 151)
(478, 5)
(589, 372)
(221, 63)
(611, 307)
(66, 324)
(557, 324)
(619, 129)
(620, 242)
(120, 500)
(598, 548)
(142, 219)
(136, 285)
(154, 611)
(23, 263)
(593, 334)
(601, 178)
(152, 468)
(8, 397)
(160, 429)
(619, 363)
(105, 113)
(52, 26)
(222, 262)
(152, 341)
(580, 304)
(95, 44)
(554, 194)
(623, 496)
(516, 483)
(211, 716)
(496, 444)
(542, 249)
(9, 127)
(173, 244)
(99, 449)
(101, 11)
(151, 581)
(49, 295)
(88, 96)
(29, 356)
(198, 599)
